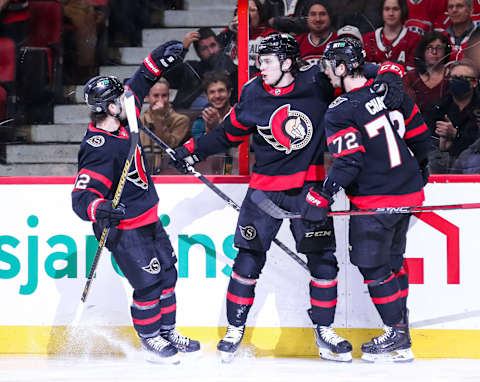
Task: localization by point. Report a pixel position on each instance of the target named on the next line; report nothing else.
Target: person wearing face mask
(453, 119)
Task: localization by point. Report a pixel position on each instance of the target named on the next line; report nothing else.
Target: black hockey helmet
(348, 51)
(100, 91)
(281, 44)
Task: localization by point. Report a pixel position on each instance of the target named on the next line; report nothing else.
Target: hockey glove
(425, 172)
(388, 84)
(184, 159)
(161, 59)
(107, 216)
(316, 205)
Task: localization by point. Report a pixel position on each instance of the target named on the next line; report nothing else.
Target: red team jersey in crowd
(309, 51)
(361, 133)
(402, 49)
(419, 19)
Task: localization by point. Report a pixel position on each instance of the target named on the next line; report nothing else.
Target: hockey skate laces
(329, 335)
(177, 338)
(385, 336)
(157, 343)
(234, 333)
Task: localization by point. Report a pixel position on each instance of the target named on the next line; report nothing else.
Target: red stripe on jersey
(324, 284)
(404, 293)
(233, 119)
(147, 321)
(168, 309)
(386, 300)
(279, 91)
(122, 132)
(92, 208)
(148, 217)
(341, 133)
(239, 300)
(315, 173)
(323, 304)
(414, 112)
(284, 182)
(383, 282)
(401, 272)
(377, 201)
(169, 290)
(418, 130)
(233, 138)
(146, 303)
(95, 175)
(349, 151)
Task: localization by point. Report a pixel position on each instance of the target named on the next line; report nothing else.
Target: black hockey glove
(161, 59)
(388, 84)
(107, 216)
(425, 171)
(316, 206)
(183, 160)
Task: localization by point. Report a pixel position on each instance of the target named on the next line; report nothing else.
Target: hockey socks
(323, 297)
(240, 296)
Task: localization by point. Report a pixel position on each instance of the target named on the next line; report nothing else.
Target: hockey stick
(269, 207)
(219, 192)
(133, 125)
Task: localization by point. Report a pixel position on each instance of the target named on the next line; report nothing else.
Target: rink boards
(46, 252)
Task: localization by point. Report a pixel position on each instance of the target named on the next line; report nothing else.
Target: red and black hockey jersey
(373, 147)
(101, 160)
(287, 129)
(402, 49)
(309, 51)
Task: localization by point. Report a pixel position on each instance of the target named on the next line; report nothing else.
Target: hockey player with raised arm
(283, 110)
(380, 161)
(136, 238)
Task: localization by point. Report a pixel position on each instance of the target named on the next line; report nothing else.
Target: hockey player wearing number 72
(136, 238)
(373, 147)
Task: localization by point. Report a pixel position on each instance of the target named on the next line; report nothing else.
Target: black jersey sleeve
(345, 143)
(417, 134)
(93, 183)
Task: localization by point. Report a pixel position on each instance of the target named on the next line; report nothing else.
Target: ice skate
(331, 346)
(158, 350)
(230, 343)
(392, 346)
(182, 343)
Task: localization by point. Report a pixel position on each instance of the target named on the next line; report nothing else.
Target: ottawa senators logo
(137, 174)
(288, 130)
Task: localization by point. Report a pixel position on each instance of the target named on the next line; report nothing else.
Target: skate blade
(155, 358)
(402, 355)
(226, 357)
(337, 357)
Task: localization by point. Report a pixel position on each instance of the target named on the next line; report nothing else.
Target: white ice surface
(244, 368)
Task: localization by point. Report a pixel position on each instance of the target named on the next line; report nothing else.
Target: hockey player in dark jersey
(137, 238)
(283, 110)
(380, 161)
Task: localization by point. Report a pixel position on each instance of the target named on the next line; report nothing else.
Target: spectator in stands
(426, 84)
(187, 77)
(454, 119)
(320, 32)
(361, 13)
(217, 90)
(127, 19)
(472, 52)
(160, 117)
(258, 29)
(14, 16)
(393, 41)
(86, 22)
(461, 27)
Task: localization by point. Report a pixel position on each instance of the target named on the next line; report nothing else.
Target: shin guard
(240, 296)
(323, 297)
